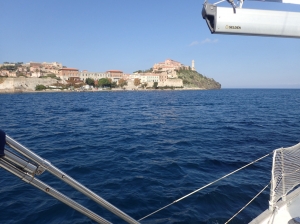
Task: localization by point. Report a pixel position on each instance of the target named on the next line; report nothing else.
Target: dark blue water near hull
(143, 150)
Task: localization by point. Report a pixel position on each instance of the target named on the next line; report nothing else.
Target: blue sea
(142, 150)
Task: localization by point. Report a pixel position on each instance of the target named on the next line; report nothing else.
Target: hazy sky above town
(128, 35)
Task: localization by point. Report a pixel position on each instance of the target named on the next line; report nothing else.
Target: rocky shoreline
(28, 85)
(112, 90)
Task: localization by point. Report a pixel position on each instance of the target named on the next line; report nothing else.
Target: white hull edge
(286, 211)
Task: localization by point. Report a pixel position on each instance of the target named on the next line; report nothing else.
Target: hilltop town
(34, 76)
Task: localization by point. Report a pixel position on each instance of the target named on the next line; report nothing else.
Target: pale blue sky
(128, 35)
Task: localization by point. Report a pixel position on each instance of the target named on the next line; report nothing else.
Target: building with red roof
(115, 75)
(66, 73)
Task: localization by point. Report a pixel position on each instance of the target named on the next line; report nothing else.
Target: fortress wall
(171, 82)
(24, 84)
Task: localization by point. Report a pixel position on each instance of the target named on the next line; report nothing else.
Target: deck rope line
(247, 203)
(271, 220)
(227, 175)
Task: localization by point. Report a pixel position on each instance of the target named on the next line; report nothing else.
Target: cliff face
(23, 84)
(192, 79)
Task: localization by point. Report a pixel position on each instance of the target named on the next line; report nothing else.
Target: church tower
(193, 65)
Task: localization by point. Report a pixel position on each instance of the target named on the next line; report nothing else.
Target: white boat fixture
(284, 204)
(254, 22)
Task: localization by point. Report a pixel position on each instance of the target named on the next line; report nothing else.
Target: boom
(241, 21)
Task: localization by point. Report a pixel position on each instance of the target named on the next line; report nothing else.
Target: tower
(193, 65)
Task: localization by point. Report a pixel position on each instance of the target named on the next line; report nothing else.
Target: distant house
(4, 73)
(67, 73)
(115, 75)
(35, 74)
(149, 77)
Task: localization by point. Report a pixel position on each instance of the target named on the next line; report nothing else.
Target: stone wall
(171, 82)
(23, 84)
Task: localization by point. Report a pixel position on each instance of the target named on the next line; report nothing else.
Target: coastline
(111, 90)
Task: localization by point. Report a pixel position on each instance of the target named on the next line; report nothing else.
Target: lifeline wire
(247, 204)
(219, 2)
(205, 186)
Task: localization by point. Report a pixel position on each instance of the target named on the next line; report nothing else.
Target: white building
(149, 77)
(93, 75)
(135, 76)
(35, 74)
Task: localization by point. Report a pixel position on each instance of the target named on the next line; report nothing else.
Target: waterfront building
(66, 73)
(93, 75)
(149, 77)
(163, 76)
(115, 75)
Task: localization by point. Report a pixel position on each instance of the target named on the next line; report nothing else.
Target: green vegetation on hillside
(193, 79)
(40, 87)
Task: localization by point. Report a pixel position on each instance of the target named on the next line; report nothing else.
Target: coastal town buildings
(155, 77)
(52, 67)
(164, 73)
(30, 69)
(168, 64)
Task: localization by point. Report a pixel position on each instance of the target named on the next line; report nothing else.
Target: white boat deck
(286, 211)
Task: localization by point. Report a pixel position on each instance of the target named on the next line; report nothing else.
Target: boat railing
(29, 165)
(285, 173)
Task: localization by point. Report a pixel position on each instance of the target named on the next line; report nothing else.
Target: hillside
(192, 79)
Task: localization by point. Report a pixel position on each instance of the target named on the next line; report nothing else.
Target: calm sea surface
(143, 150)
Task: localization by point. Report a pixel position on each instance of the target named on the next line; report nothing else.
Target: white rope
(271, 220)
(227, 175)
(219, 2)
(247, 204)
